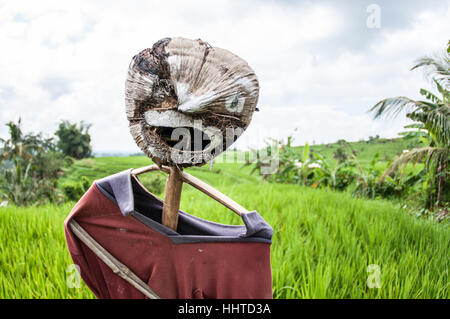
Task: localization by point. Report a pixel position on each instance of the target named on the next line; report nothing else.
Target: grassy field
(323, 241)
(388, 149)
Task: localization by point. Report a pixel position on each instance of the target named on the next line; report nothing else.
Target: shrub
(73, 190)
(22, 188)
(29, 167)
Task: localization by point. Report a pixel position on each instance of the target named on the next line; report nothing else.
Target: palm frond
(436, 158)
(417, 155)
(436, 121)
(439, 121)
(419, 126)
(437, 67)
(430, 96)
(445, 93)
(414, 156)
(391, 107)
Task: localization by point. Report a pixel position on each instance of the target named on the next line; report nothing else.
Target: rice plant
(323, 246)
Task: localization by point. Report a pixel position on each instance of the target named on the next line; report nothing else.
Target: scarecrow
(186, 102)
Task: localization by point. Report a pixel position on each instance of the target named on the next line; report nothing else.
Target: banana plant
(337, 177)
(432, 117)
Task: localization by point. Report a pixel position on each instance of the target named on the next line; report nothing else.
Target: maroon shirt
(201, 259)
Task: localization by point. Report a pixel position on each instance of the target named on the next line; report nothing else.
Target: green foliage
(368, 183)
(29, 166)
(49, 164)
(387, 147)
(338, 177)
(312, 169)
(74, 140)
(23, 147)
(20, 186)
(373, 139)
(432, 126)
(340, 155)
(290, 167)
(73, 190)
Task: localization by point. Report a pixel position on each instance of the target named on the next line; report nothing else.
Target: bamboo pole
(116, 266)
(172, 197)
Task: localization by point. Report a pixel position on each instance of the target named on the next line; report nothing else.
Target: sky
(320, 64)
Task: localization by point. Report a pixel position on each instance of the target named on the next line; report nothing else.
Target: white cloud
(69, 60)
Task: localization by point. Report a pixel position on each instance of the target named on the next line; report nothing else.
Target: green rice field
(323, 244)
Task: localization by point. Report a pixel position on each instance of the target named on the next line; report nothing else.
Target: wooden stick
(145, 169)
(116, 266)
(172, 197)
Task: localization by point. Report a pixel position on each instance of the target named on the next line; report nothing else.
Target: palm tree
(432, 119)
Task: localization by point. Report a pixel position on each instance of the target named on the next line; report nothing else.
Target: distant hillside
(365, 150)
